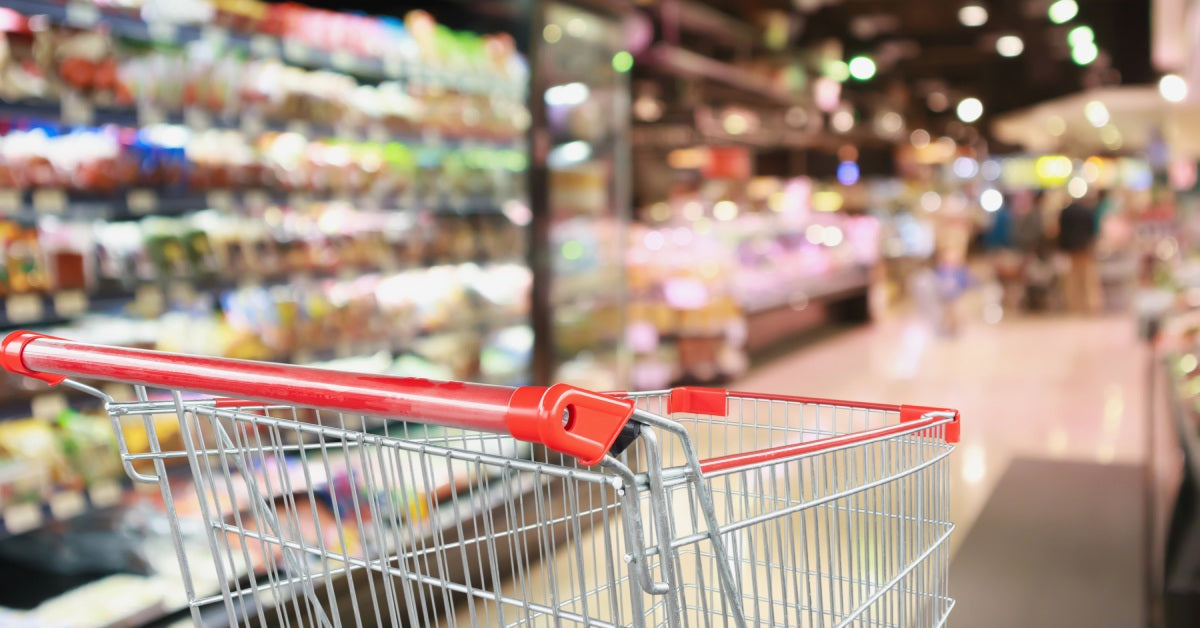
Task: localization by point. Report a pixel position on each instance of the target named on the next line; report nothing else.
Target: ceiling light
(1081, 34)
(862, 68)
(735, 123)
(1096, 113)
(969, 109)
(1062, 11)
(567, 95)
(647, 108)
(796, 116)
(937, 101)
(973, 15)
(919, 138)
(1173, 88)
(1084, 53)
(891, 123)
(622, 61)
(847, 173)
(991, 200)
(965, 167)
(1010, 46)
(1077, 187)
(842, 121)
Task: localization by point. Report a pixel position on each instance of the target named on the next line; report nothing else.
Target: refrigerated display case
(582, 124)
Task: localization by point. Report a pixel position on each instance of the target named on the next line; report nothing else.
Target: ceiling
(919, 46)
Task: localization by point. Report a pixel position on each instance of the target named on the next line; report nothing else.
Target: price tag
(24, 517)
(10, 201)
(220, 199)
(197, 119)
(150, 113)
(82, 14)
(343, 60)
(264, 46)
(76, 109)
(296, 52)
(142, 201)
(23, 308)
(162, 31)
(252, 124)
(378, 133)
(148, 301)
(105, 493)
(215, 35)
(256, 199)
(67, 504)
(299, 127)
(50, 200)
(47, 407)
(70, 303)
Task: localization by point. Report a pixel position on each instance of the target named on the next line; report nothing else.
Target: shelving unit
(448, 286)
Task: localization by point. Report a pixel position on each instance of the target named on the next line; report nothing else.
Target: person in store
(1028, 237)
(1077, 231)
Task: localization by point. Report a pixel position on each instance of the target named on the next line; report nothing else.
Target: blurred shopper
(1029, 239)
(1077, 239)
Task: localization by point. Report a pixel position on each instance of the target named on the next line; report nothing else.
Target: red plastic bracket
(913, 413)
(11, 349)
(696, 400)
(568, 420)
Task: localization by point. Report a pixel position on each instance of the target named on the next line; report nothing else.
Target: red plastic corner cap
(913, 413)
(696, 400)
(11, 349)
(568, 420)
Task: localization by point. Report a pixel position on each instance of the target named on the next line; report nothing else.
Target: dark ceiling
(919, 45)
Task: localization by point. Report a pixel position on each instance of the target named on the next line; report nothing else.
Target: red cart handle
(566, 419)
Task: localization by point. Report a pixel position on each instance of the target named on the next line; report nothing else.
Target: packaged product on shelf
(24, 265)
(68, 249)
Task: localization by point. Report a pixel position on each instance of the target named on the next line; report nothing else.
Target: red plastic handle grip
(530, 413)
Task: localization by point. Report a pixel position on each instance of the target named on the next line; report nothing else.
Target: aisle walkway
(1055, 388)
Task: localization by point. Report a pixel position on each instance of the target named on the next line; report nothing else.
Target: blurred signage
(728, 162)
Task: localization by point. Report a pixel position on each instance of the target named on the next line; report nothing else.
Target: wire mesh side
(754, 424)
(318, 518)
(856, 536)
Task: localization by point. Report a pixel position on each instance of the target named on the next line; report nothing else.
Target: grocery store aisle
(1047, 488)
(1060, 388)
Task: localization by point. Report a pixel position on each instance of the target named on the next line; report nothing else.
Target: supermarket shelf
(23, 516)
(200, 120)
(80, 14)
(771, 323)
(843, 284)
(138, 202)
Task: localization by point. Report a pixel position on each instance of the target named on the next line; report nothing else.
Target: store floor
(1045, 485)
(1059, 402)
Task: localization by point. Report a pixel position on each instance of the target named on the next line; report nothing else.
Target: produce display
(700, 269)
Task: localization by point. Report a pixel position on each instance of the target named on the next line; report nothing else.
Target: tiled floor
(1068, 389)
(1063, 388)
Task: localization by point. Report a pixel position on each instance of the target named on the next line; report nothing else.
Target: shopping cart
(327, 498)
